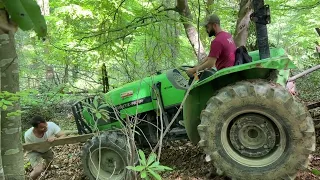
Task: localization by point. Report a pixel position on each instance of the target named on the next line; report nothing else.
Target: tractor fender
(275, 69)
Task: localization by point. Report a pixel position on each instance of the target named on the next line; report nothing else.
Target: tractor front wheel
(106, 156)
(257, 130)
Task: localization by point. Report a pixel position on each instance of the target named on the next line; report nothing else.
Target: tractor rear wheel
(257, 130)
(110, 148)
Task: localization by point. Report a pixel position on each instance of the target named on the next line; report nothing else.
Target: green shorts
(36, 158)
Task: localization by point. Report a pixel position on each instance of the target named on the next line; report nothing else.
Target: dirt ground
(186, 160)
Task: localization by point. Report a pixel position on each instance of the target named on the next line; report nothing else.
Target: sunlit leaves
(132, 35)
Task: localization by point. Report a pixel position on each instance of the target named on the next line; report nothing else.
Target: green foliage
(92, 112)
(149, 168)
(27, 165)
(8, 100)
(315, 172)
(46, 104)
(27, 14)
(138, 38)
(308, 87)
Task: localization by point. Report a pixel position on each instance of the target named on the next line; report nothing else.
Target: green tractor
(248, 124)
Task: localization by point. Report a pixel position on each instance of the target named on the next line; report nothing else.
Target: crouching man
(39, 132)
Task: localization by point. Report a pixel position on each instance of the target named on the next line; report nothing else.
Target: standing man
(222, 50)
(39, 132)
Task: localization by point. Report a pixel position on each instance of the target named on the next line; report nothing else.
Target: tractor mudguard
(203, 90)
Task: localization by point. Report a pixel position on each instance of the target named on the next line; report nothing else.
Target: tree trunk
(44, 6)
(209, 8)
(191, 31)
(50, 75)
(11, 146)
(2, 40)
(75, 72)
(172, 32)
(66, 71)
(241, 33)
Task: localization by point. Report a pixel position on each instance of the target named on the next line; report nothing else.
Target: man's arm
(209, 62)
(57, 132)
(60, 134)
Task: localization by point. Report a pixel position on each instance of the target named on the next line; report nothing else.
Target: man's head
(39, 124)
(212, 25)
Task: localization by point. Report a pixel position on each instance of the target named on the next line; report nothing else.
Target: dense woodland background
(137, 38)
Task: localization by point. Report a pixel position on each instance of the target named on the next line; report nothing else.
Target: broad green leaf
(142, 157)
(154, 164)
(143, 174)
(39, 23)
(87, 116)
(95, 102)
(16, 113)
(136, 168)
(161, 168)
(152, 157)
(18, 14)
(14, 98)
(103, 106)
(4, 107)
(154, 174)
(98, 115)
(315, 172)
(27, 14)
(7, 102)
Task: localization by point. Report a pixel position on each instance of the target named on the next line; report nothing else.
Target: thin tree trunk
(172, 32)
(66, 71)
(191, 31)
(242, 27)
(44, 6)
(11, 145)
(2, 40)
(209, 8)
(50, 75)
(75, 70)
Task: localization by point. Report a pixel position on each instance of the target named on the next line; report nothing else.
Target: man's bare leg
(37, 170)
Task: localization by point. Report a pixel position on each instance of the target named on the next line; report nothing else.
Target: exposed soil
(186, 160)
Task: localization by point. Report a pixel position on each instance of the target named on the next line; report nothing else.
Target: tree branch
(117, 10)
(304, 73)
(287, 7)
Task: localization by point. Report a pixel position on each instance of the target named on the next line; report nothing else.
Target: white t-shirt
(52, 130)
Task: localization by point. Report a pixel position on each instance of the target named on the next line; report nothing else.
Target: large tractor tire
(112, 147)
(257, 130)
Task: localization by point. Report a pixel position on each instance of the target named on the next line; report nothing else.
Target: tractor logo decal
(126, 94)
(134, 103)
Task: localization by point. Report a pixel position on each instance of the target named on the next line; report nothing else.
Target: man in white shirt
(40, 132)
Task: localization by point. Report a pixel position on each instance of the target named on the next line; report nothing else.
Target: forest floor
(186, 159)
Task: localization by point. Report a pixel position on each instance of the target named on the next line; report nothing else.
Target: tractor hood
(133, 93)
(140, 96)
